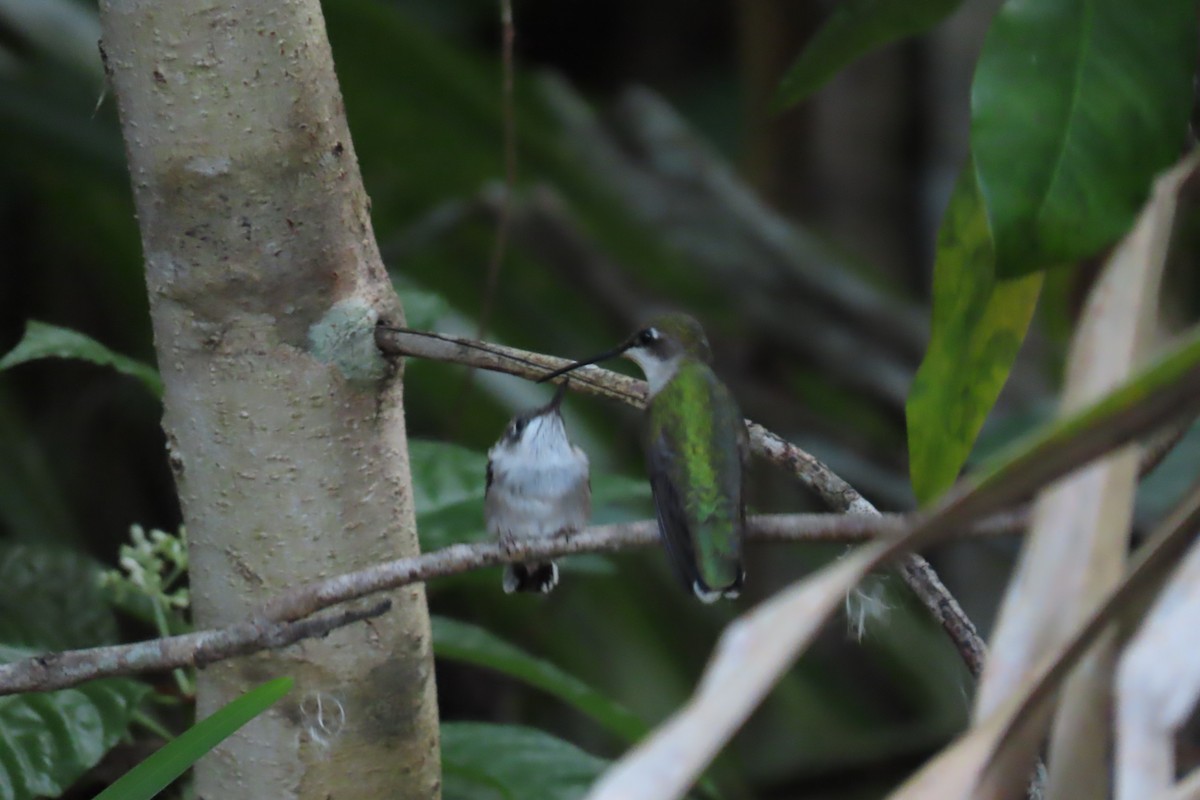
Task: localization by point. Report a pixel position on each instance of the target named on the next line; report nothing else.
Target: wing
(491, 501)
(673, 524)
(694, 450)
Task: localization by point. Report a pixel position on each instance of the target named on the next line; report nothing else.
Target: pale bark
(286, 428)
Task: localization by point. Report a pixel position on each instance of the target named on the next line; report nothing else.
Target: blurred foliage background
(652, 172)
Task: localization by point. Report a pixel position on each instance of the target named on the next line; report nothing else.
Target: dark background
(645, 135)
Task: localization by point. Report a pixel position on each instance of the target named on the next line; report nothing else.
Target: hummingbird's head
(540, 427)
(662, 343)
(658, 348)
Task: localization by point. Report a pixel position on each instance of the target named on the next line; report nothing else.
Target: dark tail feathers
(530, 577)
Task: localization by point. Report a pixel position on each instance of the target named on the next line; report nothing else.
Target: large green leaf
(979, 322)
(461, 641)
(1075, 106)
(449, 483)
(49, 341)
(49, 739)
(513, 763)
(171, 760)
(50, 598)
(853, 29)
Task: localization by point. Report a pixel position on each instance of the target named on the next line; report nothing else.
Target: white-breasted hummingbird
(537, 486)
(696, 443)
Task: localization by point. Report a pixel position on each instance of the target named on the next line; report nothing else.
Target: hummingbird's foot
(566, 533)
(508, 543)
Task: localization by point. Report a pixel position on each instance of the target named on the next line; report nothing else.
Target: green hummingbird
(695, 442)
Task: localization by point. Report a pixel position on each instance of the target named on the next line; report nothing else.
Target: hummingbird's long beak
(616, 351)
(556, 401)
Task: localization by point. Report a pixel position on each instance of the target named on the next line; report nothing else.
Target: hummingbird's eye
(647, 337)
(514, 430)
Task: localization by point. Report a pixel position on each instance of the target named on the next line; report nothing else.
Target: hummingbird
(695, 442)
(537, 486)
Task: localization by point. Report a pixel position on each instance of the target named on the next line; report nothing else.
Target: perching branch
(833, 491)
(73, 667)
(286, 620)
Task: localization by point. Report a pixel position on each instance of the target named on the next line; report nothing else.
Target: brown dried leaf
(1186, 789)
(980, 765)
(1158, 684)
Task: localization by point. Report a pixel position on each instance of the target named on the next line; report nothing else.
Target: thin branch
(836, 493)
(73, 667)
(508, 113)
(504, 213)
(277, 625)
(1163, 443)
(778, 528)
(833, 491)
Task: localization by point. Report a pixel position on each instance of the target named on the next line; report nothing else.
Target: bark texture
(285, 426)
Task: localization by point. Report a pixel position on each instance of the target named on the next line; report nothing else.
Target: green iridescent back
(695, 439)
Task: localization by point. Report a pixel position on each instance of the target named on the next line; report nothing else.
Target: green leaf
(50, 598)
(979, 323)
(49, 739)
(449, 483)
(853, 29)
(461, 641)
(49, 341)
(171, 760)
(1075, 106)
(509, 761)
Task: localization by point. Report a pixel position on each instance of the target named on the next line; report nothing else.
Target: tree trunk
(286, 427)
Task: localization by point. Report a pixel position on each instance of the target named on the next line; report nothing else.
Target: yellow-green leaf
(979, 322)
